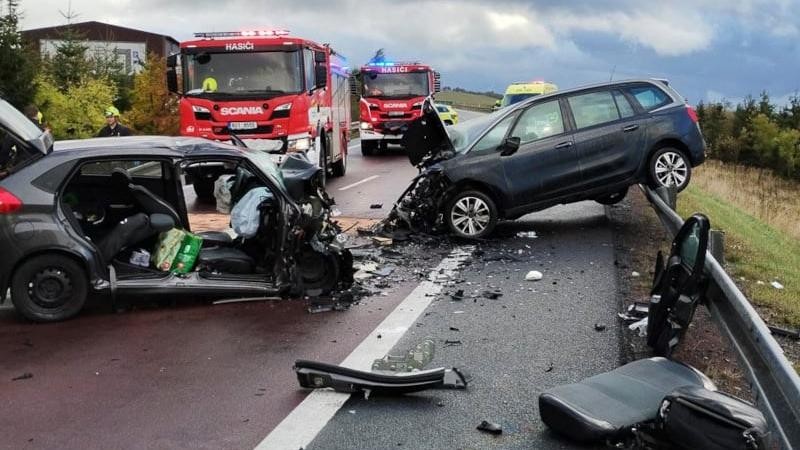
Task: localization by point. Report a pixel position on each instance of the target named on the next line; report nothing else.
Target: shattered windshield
(396, 85)
(267, 73)
(464, 134)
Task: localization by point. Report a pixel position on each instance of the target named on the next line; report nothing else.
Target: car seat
(132, 230)
(606, 407)
(149, 202)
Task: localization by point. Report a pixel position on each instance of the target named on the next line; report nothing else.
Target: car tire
(368, 148)
(49, 288)
(613, 199)
(318, 271)
(471, 215)
(669, 166)
(204, 188)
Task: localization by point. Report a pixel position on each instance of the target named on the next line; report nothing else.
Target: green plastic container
(177, 251)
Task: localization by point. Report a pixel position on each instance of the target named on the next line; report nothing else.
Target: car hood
(427, 138)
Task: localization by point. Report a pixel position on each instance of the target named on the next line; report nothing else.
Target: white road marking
(303, 424)
(358, 182)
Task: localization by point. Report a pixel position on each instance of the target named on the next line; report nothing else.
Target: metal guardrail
(773, 380)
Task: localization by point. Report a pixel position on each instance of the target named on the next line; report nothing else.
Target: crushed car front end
(317, 261)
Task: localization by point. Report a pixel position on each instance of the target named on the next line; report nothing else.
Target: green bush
(77, 111)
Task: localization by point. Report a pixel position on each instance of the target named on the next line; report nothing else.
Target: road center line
(359, 182)
(303, 424)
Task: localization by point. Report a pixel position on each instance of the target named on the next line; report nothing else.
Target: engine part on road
(415, 359)
(317, 375)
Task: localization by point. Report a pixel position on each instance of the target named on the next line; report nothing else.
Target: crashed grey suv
(589, 143)
(113, 216)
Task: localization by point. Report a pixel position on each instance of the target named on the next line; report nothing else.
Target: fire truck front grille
(393, 117)
(261, 129)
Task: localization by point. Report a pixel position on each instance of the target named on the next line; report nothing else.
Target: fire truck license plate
(242, 125)
(396, 113)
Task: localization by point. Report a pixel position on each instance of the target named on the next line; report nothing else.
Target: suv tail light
(692, 113)
(8, 202)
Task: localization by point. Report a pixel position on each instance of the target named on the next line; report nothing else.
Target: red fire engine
(391, 97)
(275, 92)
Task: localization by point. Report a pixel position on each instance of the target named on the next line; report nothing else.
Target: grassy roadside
(756, 254)
(466, 100)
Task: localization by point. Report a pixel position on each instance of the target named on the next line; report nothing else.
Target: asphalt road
(193, 375)
(537, 335)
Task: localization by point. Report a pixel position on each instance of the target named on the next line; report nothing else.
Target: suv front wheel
(49, 288)
(670, 167)
(471, 215)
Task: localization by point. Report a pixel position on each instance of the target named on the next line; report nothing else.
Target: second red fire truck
(276, 92)
(391, 98)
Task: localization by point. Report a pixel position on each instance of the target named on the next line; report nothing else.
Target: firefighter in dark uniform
(113, 127)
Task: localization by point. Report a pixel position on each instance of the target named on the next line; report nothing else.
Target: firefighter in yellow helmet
(209, 84)
(113, 127)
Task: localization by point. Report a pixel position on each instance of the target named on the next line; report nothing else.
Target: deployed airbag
(246, 216)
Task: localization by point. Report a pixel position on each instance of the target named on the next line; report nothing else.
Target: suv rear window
(650, 97)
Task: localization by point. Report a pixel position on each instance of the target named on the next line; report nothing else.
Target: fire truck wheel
(340, 166)
(368, 148)
(322, 151)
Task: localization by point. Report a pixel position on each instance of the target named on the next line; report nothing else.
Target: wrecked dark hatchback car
(110, 216)
(589, 143)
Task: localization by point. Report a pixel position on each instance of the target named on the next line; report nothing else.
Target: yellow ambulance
(516, 92)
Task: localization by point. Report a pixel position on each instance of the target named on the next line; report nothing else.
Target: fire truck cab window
(245, 73)
(396, 85)
(308, 63)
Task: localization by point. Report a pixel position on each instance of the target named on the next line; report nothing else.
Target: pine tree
(18, 62)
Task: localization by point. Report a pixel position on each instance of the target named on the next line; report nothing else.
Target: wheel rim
(470, 216)
(50, 288)
(671, 169)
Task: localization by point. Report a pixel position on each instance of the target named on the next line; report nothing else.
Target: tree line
(755, 132)
(73, 86)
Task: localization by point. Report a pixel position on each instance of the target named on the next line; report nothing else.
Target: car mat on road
(317, 375)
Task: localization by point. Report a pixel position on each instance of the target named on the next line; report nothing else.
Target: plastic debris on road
(383, 241)
(635, 274)
(533, 275)
(640, 326)
(415, 359)
(635, 312)
(527, 234)
(490, 427)
(376, 206)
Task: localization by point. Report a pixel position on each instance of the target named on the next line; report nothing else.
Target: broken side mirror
(172, 73)
(509, 146)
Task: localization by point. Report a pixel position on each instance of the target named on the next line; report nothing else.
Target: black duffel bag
(692, 417)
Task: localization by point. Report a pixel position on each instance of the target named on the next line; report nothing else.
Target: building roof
(96, 31)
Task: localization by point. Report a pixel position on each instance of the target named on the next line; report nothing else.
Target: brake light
(692, 113)
(8, 202)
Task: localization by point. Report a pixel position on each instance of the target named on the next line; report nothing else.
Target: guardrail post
(669, 194)
(716, 245)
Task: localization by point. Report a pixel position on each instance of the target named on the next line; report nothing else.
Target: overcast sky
(709, 49)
